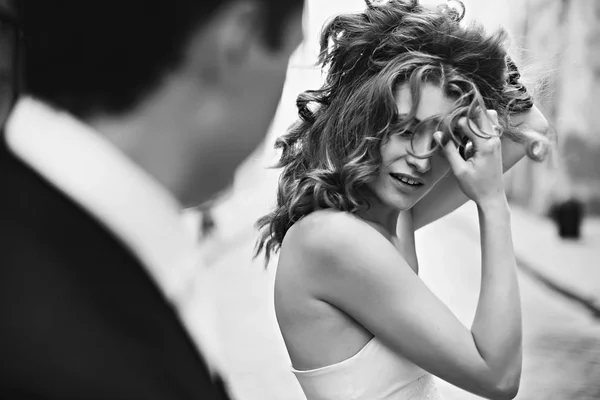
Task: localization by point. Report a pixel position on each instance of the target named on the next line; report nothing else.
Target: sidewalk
(570, 267)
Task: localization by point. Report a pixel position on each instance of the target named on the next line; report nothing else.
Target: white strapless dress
(374, 373)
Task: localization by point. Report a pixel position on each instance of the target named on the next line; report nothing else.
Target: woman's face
(404, 179)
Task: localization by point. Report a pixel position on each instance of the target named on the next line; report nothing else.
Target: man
(131, 111)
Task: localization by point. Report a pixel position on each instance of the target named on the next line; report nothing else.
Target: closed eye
(406, 133)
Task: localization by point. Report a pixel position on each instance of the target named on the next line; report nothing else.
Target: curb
(586, 300)
(589, 302)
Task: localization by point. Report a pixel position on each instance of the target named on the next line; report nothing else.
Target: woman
(410, 95)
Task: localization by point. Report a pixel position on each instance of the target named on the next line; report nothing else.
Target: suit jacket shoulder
(79, 316)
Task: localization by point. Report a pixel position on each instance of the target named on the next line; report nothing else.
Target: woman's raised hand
(480, 176)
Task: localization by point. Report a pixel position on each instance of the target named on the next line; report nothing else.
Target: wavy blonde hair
(330, 154)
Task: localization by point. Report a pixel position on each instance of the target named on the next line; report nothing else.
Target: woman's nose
(421, 165)
(420, 146)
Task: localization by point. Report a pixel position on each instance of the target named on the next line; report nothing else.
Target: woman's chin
(392, 198)
(403, 203)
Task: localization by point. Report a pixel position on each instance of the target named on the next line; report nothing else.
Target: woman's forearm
(446, 196)
(496, 328)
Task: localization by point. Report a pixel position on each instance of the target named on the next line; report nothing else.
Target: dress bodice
(374, 373)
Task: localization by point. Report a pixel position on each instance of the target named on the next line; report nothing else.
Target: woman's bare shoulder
(324, 226)
(332, 235)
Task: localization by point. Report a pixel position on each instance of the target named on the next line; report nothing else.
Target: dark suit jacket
(79, 316)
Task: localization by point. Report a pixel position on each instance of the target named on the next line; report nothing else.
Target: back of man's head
(187, 88)
(90, 56)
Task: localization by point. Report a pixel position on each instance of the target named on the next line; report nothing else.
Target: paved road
(561, 339)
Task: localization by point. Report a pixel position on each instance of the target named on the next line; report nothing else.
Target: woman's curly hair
(333, 150)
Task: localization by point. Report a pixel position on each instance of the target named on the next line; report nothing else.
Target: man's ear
(222, 45)
(240, 30)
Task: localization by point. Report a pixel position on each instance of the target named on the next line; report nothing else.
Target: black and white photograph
(300, 200)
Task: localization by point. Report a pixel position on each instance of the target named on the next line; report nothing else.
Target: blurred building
(558, 42)
(572, 28)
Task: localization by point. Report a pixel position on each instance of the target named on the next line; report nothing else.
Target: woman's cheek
(439, 167)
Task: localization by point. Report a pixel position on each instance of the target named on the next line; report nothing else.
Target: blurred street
(561, 336)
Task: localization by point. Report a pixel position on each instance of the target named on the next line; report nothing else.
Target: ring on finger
(469, 150)
(497, 129)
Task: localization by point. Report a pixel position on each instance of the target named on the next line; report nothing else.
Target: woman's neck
(384, 216)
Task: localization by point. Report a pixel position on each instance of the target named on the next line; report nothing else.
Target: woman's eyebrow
(415, 119)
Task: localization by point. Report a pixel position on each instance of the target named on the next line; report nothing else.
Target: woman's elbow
(503, 386)
(509, 393)
(536, 121)
(507, 390)
(531, 119)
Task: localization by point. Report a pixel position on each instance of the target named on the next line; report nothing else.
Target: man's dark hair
(89, 56)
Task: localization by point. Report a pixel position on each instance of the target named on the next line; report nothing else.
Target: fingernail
(444, 139)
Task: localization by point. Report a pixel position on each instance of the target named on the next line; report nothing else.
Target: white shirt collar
(117, 192)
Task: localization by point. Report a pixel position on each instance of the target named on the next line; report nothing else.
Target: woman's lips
(407, 182)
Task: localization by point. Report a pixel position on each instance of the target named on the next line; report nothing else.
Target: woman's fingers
(479, 176)
(471, 131)
(488, 121)
(450, 152)
(481, 132)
